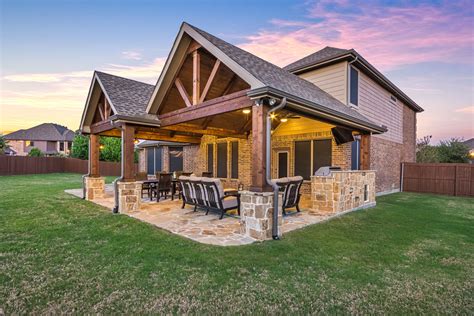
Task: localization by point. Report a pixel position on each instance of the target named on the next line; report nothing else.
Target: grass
(411, 254)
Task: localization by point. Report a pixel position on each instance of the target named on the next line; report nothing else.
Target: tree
(426, 153)
(3, 145)
(454, 151)
(80, 147)
(35, 152)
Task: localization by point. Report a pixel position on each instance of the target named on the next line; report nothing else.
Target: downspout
(268, 167)
(115, 183)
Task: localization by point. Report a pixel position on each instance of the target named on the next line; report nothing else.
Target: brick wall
(409, 135)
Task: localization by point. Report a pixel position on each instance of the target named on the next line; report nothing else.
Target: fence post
(455, 180)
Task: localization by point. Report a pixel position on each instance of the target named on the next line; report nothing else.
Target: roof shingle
(326, 53)
(45, 131)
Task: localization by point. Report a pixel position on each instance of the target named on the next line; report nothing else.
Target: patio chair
(291, 193)
(217, 200)
(186, 174)
(198, 192)
(146, 187)
(187, 192)
(164, 186)
(207, 174)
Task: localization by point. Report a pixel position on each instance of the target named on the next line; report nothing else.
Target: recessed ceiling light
(246, 111)
(283, 120)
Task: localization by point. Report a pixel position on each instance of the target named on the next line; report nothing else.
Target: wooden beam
(182, 92)
(247, 125)
(94, 154)
(211, 131)
(259, 183)
(224, 104)
(101, 112)
(193, 47)
(128, 153)
(365, 152)
(206, 122)
(196, 77)
(106, 108)
(210, 80)
(100, 127)
(157, 136)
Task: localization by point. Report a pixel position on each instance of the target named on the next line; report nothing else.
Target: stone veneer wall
(256, 214)
(129, 196)
(342, 191)
(95, 188)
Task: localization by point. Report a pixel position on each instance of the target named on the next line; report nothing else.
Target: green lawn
(413, 253)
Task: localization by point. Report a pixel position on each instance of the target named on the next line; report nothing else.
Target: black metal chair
(217, 200)
(187, 192)
(291, 193)
(143, 176)
(164, 186)
(197, 188)
(207, 174)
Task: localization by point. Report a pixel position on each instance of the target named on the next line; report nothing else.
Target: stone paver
(207, 229)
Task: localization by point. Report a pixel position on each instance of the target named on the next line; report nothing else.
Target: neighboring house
(50, 138)
(214, 96)
(470, 144)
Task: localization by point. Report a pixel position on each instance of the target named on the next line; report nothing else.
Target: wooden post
(94, 154)
(196, 77)
(259, 183)
(128, 148)
(365, 152)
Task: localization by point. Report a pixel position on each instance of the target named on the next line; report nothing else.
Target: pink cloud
(386, 36)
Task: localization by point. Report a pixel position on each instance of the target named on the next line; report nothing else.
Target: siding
(332, 79)
(376, 105)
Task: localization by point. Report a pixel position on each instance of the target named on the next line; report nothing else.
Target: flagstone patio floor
(198, 226)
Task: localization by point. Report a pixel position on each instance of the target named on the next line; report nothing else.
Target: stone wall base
(129, 196)
(256, 214)
(94, 188)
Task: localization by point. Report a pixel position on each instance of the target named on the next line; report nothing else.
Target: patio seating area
(205, 228)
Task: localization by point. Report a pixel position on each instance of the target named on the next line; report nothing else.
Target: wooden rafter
(101, 112)
(230, 84)
(196, 77)
(229, 103)
(247, 125)
(193, 47)
(157, 136)
(206, 122)
(210, 80)
(193, 128)
(182, 92)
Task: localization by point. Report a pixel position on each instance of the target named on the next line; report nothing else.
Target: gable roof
(469, 143)
(265, 77)
(43, 132)
(330, 55)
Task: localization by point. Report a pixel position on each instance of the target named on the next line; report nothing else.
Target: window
(61, 146)
(303, 159)
(322, 153)
(176, 158)
(354, 86)
(312, 155)
(154, 157)
(282, 164)
(355, 155)
(210, 158)
(235, 160)
(222, 160)
(29, 143)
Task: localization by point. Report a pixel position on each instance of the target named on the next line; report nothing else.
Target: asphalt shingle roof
(129, 97)
(280, 79)
(326, 53)
(45, 131)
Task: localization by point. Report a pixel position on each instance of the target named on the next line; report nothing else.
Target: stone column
(129, 196)
(256, 214)
(94, 188)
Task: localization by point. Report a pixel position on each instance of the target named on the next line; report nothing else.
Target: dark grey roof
(324, 54)
(277, 78)
(469, 143)
(331, 53)
(45, 131)
(128, 97)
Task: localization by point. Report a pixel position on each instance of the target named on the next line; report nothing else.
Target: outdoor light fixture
(272, 116)
(246, 111)
(136, 141)
(101, 146)
(272, 101)
(283, 120)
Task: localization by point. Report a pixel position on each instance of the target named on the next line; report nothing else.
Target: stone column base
(129, 196)
(256, 214)
(95, 188)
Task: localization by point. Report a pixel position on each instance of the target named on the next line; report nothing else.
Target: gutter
(268, 166)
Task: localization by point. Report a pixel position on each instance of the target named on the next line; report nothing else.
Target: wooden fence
(16, 165)
(440, 178)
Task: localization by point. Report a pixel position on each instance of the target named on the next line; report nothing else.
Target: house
(331, 108)
(470, 143)
(50, 138)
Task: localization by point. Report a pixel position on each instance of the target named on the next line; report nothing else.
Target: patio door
(283, 164)
(153, 159)
(176, 159)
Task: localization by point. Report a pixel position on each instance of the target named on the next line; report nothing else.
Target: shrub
(35, 152)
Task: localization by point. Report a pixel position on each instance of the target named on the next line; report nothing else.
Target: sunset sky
(49, 49)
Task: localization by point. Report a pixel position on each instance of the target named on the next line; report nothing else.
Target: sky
(49, 49)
